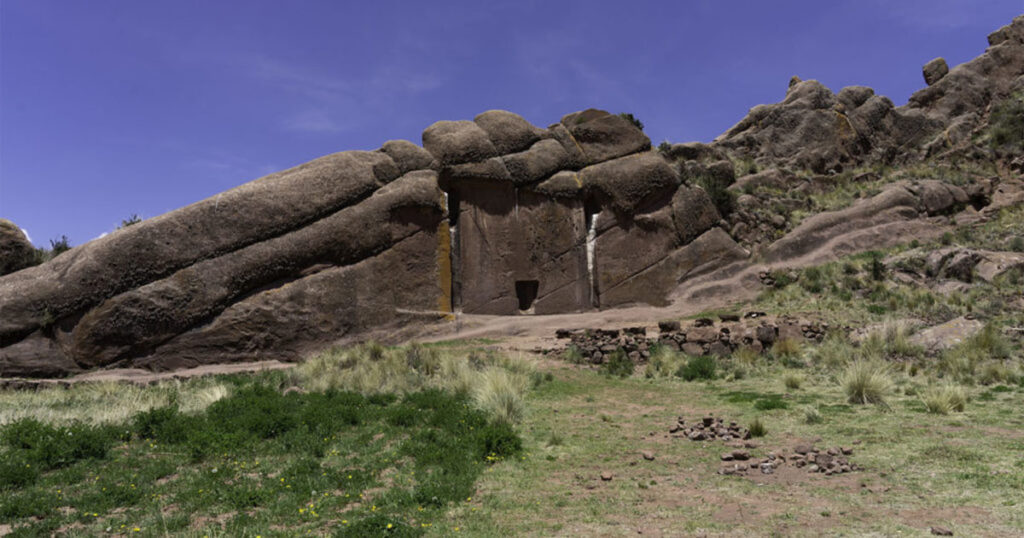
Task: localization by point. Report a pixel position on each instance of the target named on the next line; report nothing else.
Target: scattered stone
(647, 455)
(940, 531)
(606, 476)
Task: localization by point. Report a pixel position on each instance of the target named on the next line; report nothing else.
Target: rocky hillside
(497, 216)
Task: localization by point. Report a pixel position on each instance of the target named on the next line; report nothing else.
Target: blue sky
(115, 107)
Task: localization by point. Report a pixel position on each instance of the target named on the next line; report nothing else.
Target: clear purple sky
(114, 107)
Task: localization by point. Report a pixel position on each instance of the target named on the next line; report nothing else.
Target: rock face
(814, 129)
(490, 216)
(16, 252)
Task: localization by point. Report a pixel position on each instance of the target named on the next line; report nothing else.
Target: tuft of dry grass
(944, 399)
(866, 381)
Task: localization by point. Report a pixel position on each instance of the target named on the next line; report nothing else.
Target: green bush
(1006, 124)
(632, 119)
(17, 472)
(50, 447)
(702, 367)
(130, 221)
(618, 364)
(664, 147)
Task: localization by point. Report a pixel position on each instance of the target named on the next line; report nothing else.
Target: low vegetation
(244, 455)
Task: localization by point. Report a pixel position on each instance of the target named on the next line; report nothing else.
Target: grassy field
(265, 459)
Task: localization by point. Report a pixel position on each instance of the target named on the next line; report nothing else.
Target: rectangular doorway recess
(526, 292)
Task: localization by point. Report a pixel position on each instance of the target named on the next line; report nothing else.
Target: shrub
(866, 382)
(618, 364)
(702, 367)
(17, 472)
(1017, 244)
(812, 415)
(632, 119)
(664, 147)
(50, 447)
(59, 245)
(943, 399)
(132, 220)
(573, 354)
(718, 190)
(792, 380)
(757, 428)
(1006, 123)
(498, 441)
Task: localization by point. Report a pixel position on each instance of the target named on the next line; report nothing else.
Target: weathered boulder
(934, 70)
(693, 213)
(16, 252)
(602, 136)
(538, 162)
(457, 142)
(407, 156)
(629, 183)
(508, 132)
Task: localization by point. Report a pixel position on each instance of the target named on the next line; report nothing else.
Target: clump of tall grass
(792, 380)
(664, 362)
(866, 381)
(495, 382)
(985, 349)
(499, 393)
(944, 399)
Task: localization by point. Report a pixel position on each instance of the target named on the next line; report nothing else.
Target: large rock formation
(817, 130)
(492, 216)
(489, 216)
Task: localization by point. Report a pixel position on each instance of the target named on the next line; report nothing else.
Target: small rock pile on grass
(829, 462)
(708, 428)
(596, 345)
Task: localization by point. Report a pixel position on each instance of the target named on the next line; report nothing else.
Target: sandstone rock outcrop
(491, 216)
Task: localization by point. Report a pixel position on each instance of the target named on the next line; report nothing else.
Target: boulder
(602, 136)
(508, 132)
(540, 161)
(627, 184)
(693, 213)
(407, 156)
(934, 70)
(458, 142)
(16, 252)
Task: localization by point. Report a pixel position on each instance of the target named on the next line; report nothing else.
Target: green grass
(252, 462)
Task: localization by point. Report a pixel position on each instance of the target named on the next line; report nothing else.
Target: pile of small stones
(596, 345)
(708, 428)
(828, 462)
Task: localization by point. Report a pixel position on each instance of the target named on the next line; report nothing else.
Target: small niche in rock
(526, 291)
